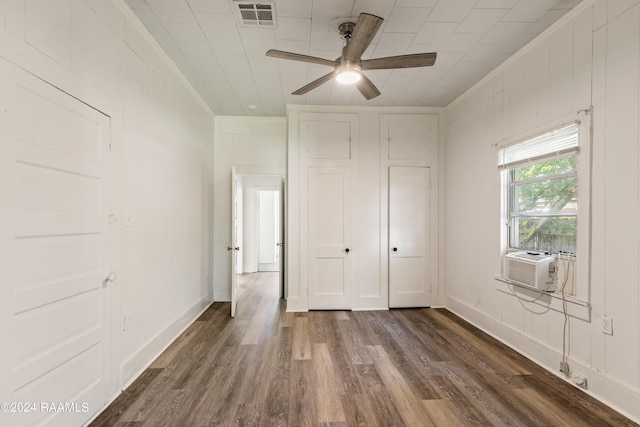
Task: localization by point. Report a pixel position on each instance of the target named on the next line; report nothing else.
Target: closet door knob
(347, 250)
(395, 249)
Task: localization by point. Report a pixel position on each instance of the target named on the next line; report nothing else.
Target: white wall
(267, 226)
(257, 146)
(162, 136)
(591, 57)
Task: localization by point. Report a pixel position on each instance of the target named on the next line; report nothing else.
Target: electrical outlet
(579, 379)
(607, 325)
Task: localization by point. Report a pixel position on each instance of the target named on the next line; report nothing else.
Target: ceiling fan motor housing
(346, 29)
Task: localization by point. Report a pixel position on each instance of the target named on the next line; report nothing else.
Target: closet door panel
(329, 232)
(410, 137)
(409, 237)
(326, 139)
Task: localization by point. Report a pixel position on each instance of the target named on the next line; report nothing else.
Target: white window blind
(557, 143)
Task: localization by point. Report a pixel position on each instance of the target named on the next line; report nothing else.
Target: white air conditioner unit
(530, 269)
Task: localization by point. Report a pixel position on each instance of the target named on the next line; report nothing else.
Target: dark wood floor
(412, 367)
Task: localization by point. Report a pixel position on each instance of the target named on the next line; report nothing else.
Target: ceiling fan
(348, 68)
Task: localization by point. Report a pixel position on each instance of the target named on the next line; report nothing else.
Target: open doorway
(268, 230)
(260, 225)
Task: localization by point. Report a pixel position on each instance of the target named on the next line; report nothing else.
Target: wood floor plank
(320, 326)
(126, 399)
(301, 340)
(344, 372)
(328, 402)
(286, 319)
(555, 418)
(478, 402)
(495, 354)
(409, 367)
(248, 415)
(302, 410)
(210, 364)
(410, 408)
(378, 398)
(580, 406)
(405, 351)
(358, 410)
(441, 413)
(169, 355)
(276, 401)
(341, 315)
(255, 328)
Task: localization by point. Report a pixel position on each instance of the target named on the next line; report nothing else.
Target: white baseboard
(610, 392)
(297, 305)
(133, 367)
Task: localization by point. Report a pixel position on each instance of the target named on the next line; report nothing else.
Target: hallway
(383, 368)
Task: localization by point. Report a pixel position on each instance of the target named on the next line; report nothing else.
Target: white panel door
(330, 251)
(282, 238)
(409, 237)
(234, 247)
(55, 251)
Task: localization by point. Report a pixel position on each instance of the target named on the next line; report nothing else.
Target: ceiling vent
(252, 14)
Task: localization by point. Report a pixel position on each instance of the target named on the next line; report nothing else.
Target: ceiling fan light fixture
(347, 69)
(348, 76)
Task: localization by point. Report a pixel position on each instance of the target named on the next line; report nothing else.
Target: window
(541, 191)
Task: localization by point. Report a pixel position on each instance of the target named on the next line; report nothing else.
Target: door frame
(432, 161)
(279, 171)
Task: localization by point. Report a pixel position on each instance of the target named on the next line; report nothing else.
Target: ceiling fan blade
(314, 84)
(366, 28)
(367, 88)
(401, 61)
(299, 57)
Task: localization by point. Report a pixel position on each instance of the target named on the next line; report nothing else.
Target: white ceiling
(226, 63)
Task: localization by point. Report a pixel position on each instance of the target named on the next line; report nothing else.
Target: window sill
(529, 297)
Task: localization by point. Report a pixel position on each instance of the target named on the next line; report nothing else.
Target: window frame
(511, 194)
(583, 216)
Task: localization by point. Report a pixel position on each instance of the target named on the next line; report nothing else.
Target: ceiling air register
(253, 14)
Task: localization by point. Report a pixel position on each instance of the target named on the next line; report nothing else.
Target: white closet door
(55, 248)
(409, 237)
(330, 251)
